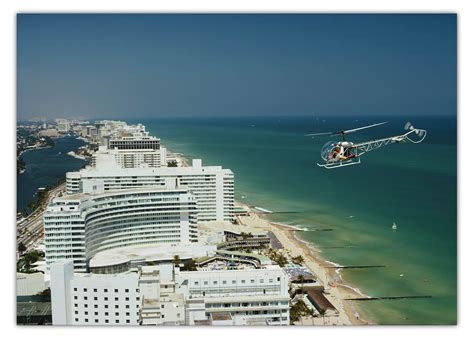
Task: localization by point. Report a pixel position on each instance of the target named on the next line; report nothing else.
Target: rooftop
(261, 258)
(161, 252)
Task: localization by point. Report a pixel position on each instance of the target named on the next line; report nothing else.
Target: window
(126, 290)
(85, 305)
(95, 298)
(106, 321)
(76, 319)
(116, 306)
(75, 289)
(85, 289)
(128, 321)
(75, 297)
(117, 314)
(234, 281)
(106, 290)
(117, 321)
(278, 279)
(96, 320)
(95, 289)
(162, 306)
(205, 283)
(106, 313)
(196, 283)
(106, 306)
(86, 313)
(127, 298)
(85, 298)
(116, 298)
(261, 281)
(215, 282)
(86, 320)
(95, 306)
(127, 314)
(252, 281)
(106, 298)
(116, 290)
(242, 281)
(76, 312)
(127, 306)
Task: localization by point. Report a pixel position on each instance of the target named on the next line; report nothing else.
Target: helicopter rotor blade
(360, 128)
(314, 134)
(347, 131)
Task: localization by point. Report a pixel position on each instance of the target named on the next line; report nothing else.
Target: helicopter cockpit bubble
(326, 150)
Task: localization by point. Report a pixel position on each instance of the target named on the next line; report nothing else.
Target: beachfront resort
(144, 236)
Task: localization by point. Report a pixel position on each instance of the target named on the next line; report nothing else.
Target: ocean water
(45, 167)
(412, 185)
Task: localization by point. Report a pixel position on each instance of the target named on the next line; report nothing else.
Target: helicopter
(345, 153)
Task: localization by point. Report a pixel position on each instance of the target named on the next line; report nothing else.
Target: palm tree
(176, 260)
(281, 260)
(298, 260)
(300, 278)
(21, 247)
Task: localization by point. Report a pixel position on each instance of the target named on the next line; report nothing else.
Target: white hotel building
(212, 186)
(129, 158)
(79, 226)
(158, 295)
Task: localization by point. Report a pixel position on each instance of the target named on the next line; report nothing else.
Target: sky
(168, 65)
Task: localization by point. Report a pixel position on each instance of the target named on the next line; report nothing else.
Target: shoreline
(330, 277)
(318, 265)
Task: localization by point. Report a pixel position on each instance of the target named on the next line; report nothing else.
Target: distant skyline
(164, 65)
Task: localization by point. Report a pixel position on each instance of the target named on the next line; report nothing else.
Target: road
(30, 230)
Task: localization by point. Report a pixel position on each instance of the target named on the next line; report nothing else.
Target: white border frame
(465, 179)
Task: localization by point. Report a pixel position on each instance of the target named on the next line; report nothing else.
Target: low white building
(247, 295)
(163, 295)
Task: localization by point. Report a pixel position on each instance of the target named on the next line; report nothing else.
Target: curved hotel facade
(212, 186)
(81, 225)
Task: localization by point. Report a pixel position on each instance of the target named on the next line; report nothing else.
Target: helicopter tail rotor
(419, 132)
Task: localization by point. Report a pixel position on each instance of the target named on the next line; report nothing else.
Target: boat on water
(394, 226)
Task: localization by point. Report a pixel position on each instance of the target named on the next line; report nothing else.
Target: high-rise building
(129, 158)
(81, 225)
(63, 125)
(212, 186)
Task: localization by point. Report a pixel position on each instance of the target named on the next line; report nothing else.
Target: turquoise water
(412, 185)
(45, 167)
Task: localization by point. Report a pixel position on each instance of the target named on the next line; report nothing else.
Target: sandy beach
(330, 277)
(321, 268)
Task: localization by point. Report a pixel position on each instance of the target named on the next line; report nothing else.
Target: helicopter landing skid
(343, 163)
